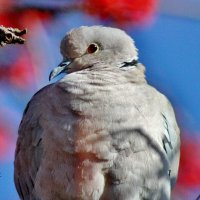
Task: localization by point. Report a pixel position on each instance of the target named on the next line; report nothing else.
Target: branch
(11, 36)
(54, 10)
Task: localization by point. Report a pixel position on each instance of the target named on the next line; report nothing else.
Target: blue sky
(170, 50)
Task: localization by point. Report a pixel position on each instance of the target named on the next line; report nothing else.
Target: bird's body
(99, 133)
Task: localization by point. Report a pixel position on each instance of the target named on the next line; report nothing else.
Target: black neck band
(131, 63)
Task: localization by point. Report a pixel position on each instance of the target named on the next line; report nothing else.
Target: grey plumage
(101, 132)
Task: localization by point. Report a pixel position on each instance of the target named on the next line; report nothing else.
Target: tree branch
(54, 10)
(11, 36)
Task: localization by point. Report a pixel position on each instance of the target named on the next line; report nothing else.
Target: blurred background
(167, 34)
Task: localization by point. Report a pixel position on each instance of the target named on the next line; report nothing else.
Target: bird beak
(61, 68)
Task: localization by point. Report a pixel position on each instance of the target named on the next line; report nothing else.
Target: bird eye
(92, 48)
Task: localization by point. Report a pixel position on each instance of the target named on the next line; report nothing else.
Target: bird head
(93, 47)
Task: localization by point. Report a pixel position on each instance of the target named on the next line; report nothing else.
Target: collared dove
(101, 132)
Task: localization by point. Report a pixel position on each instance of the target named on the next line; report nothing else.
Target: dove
(101, 132)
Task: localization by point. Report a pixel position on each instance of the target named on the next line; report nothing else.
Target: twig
(11, 36)
(198, 198)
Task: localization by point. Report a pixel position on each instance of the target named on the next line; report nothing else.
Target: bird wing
(171, 141)
(29, 148)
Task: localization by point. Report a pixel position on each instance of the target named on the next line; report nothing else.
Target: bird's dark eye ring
(92, 48)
